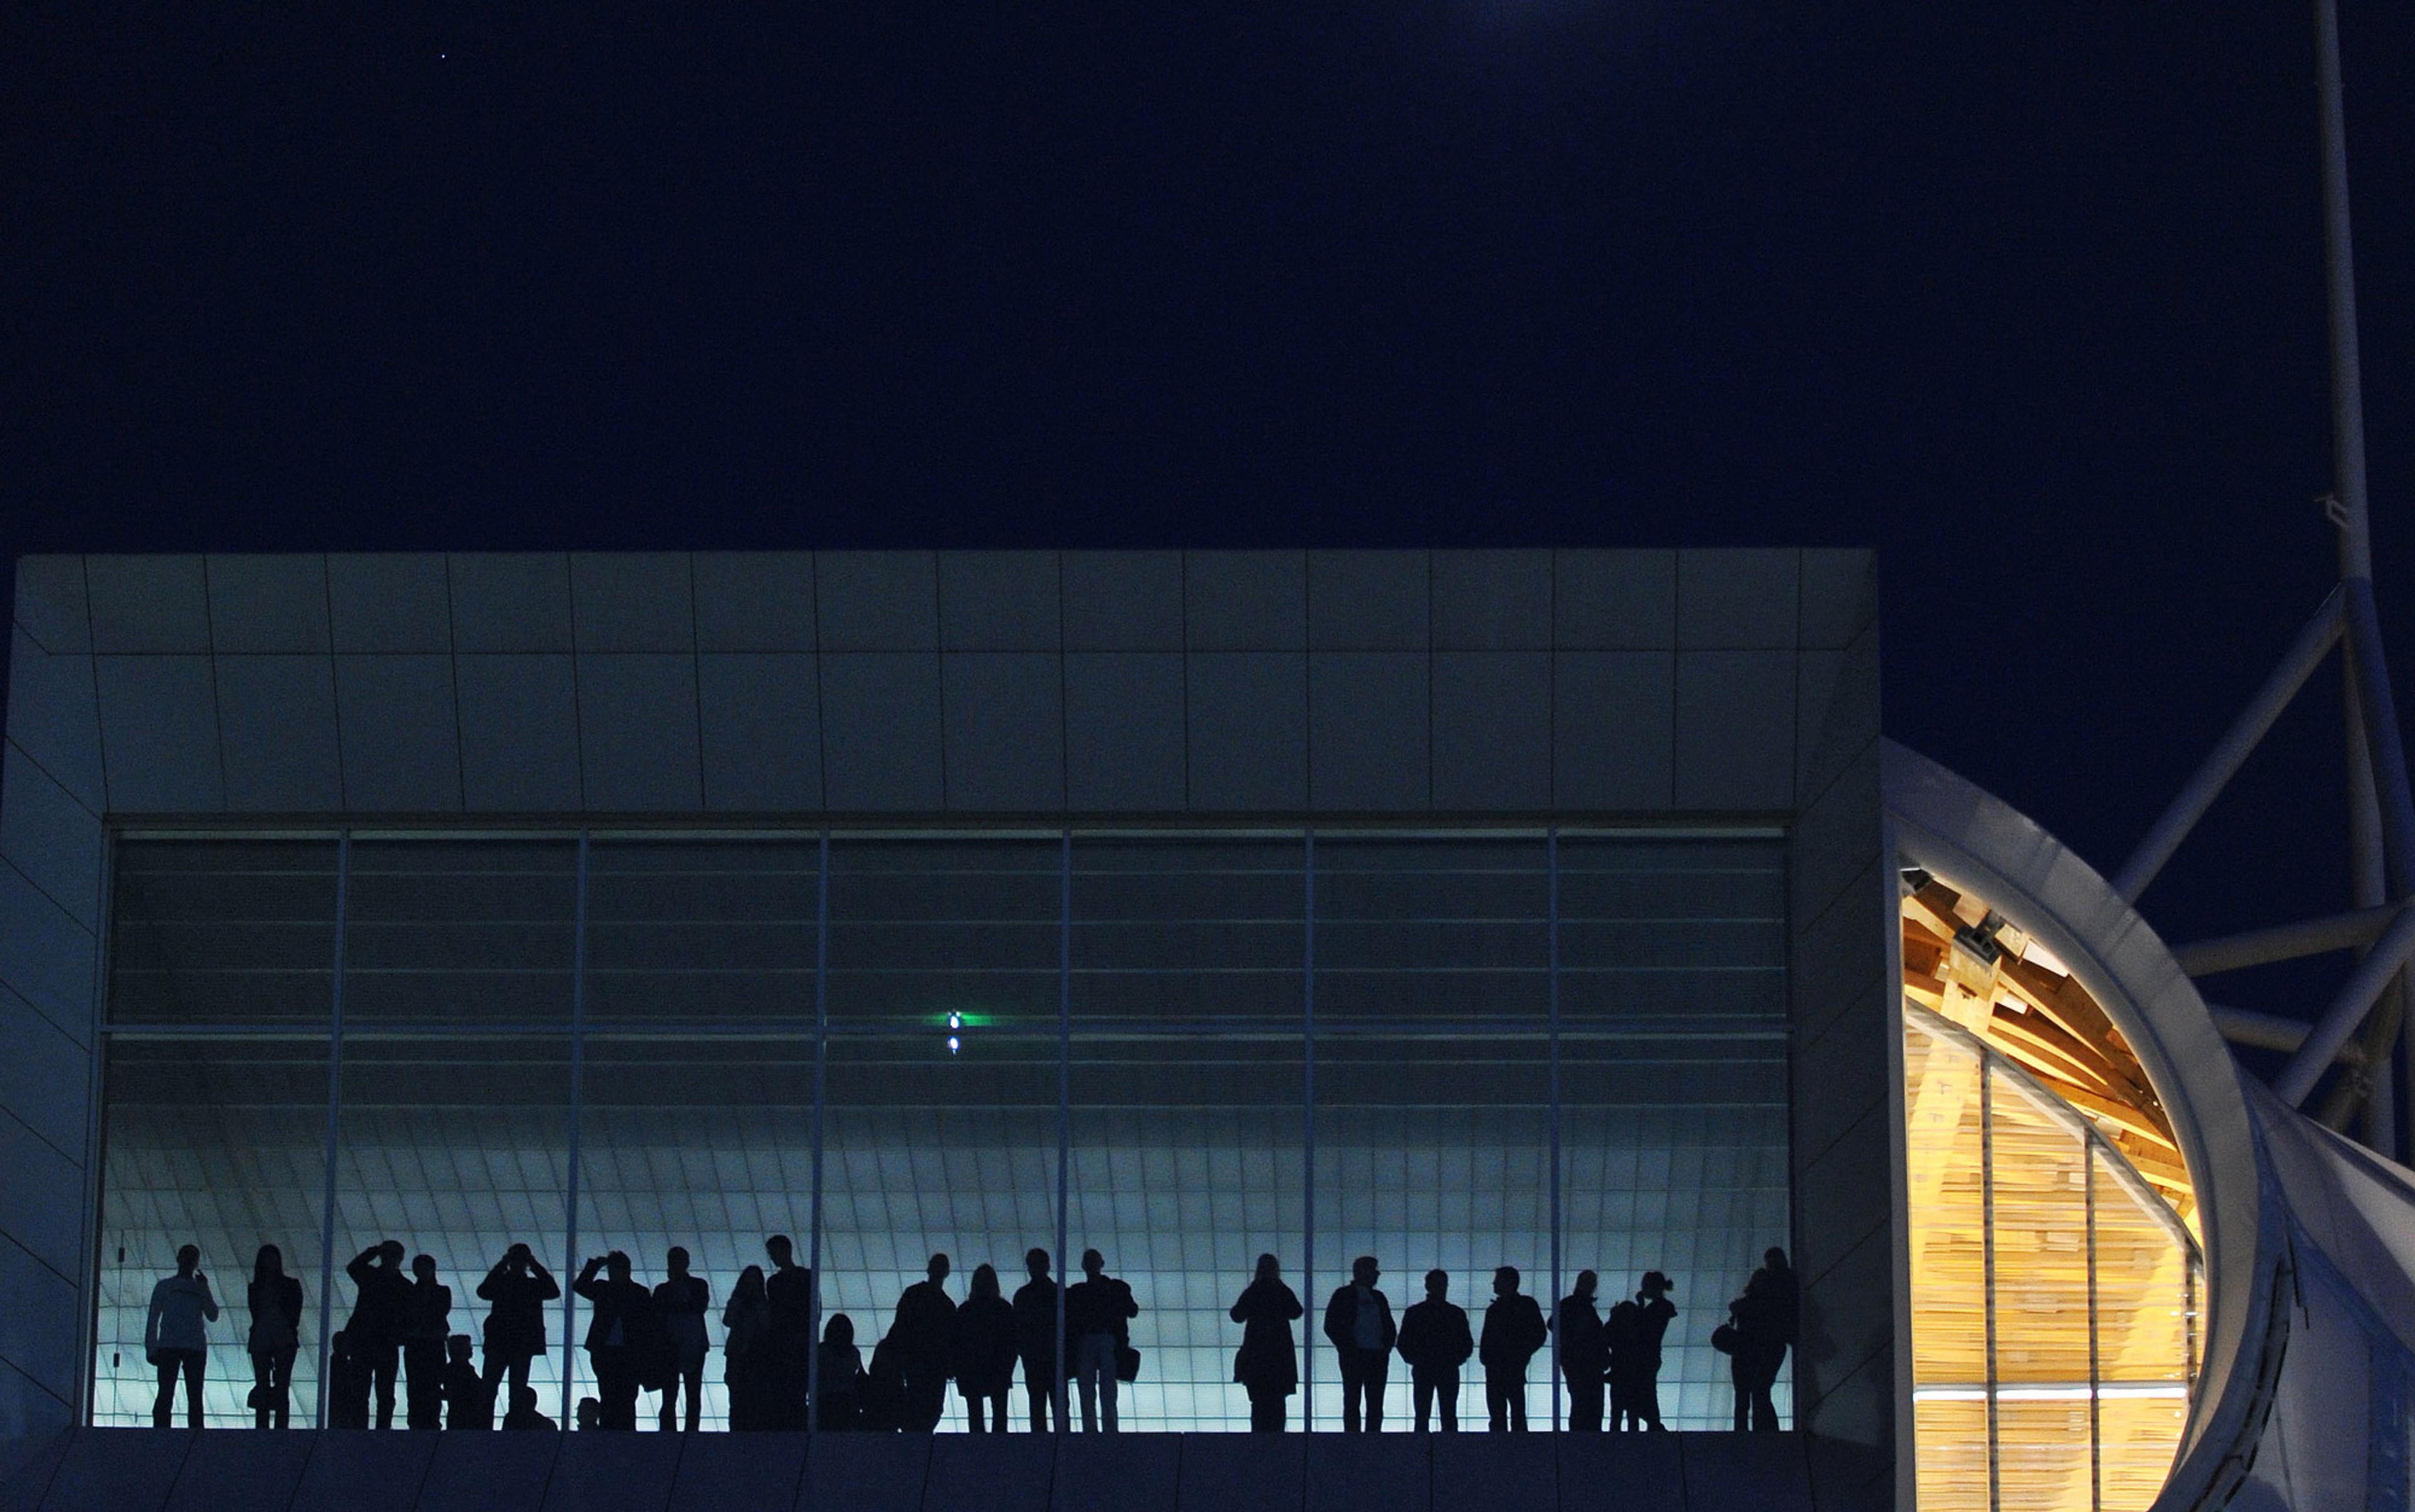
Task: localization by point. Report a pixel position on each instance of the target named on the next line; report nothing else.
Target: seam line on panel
(578, 744)
(578, 1069)
(96, 1145)
(1676, 660)
(335, 1109)
(335, 685)
(821, 1091)
(92, 669)
(1183, 564)
(821, 712)
(44, 1139)
(696, 683)
(27, 631)
(1064, 720)
(49, 898)
(35, 762)
(940, 657)
(218, 714)
(452, 661)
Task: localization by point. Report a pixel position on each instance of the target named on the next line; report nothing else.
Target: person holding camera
(518, 1288)
(175, 1335)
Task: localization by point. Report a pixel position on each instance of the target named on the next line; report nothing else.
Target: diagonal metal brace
(2304, 654)
(2348, 1011)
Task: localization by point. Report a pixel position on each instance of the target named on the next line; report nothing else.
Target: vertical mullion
(1057, 1396)
(1988, 1262)
(335, 1109)
(577, 1074)
(1551, 856)
(1308, 1123)
(2095, 1365)
(821, 1096)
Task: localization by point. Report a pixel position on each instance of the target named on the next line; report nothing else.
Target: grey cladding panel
(42, 1204)
(44, 1076)
(401, 749)
(1493, 600)
(1737, 600)
(1249, 730)
(37, 1319)
(510, 602)
(160, 735)
(1613, 729)
(1123, 599)
(50, 606)
(1492, 730)
(1735, 729)
(45, 955)
(1108, 1471)
(1367, 741)
(632, 601)
(241, 1470)
(755, 601)
(998, 601)
(638, 732)
(1840, 595)
(1368, 600)
(881, 732)
(268, 605)
(763, 737)
(520, 733)
(1614, 599)
(1347, 1471)
(393, 604)
(1005, 730)
(50, 837)
(1124, 731)
(1246, 600)
(277, 729)
(117, 1470)
(877, 601)
(148, 604)
(610, 1473)
(54, 713)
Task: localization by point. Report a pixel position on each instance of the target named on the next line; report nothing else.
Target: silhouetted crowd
(779, 1377)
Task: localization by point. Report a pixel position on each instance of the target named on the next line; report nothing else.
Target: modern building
(1558, 909)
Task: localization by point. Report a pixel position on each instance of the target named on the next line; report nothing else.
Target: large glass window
(1184, 1048)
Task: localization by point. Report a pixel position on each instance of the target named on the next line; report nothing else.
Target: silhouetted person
(1098, 1311)
(1635, 1330)
(924, 1332)
(1435, 1341)
(591, 1414)
(518, 1290)
(1584, 1353)
(381, 1300)
(466, 1402)
(884, 1388)
(1267, 1364)
(523, 1411)
(1766, 1322)
(843, 1381)
(1513, 1330)
(347, 1383)
(275, 1301)
(617, 1335)
(789, 1291)
(175, 1335)
(985, 1351)
(1358, 1320)
(426, 1324)
(680, 1304)
(746, 1365)
(1035, 1340)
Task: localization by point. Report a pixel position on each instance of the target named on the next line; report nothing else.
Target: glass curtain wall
(1186, 1118)
(1184, 1048)
(1434, 1040)
(215, 1127)
(2053, 1294)
(1672, 1086)
(940, 1123)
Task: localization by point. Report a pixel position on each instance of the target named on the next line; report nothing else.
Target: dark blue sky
(2027, 296)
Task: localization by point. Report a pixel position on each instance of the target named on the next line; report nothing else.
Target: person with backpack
(1766, 1321)
(1513, 1331)
(1435, 1341)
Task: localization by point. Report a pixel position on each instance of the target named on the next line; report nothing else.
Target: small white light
(951, 1044)
(956, 1020)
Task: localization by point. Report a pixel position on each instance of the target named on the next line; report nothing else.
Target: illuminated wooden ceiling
(1967, 962)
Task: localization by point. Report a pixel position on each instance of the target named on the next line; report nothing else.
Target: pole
(2339, 269)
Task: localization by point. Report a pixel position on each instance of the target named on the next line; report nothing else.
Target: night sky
(2029, 297)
